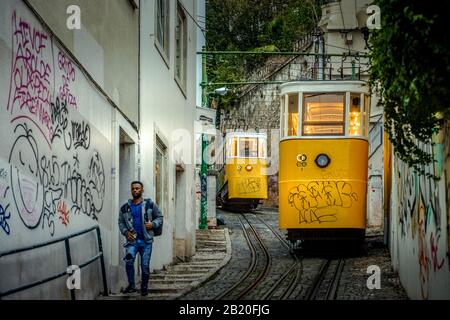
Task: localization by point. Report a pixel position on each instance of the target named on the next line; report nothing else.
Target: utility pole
(204, 167)
(218, 111)
(322, 60)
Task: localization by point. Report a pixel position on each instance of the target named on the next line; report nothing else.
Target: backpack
(148, 204)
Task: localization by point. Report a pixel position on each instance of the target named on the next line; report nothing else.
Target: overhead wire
(202, 29)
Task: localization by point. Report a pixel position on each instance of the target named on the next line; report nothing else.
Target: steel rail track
(252, 266)
(297, 266)
(334, 284)
(267, 265)
(332, 288)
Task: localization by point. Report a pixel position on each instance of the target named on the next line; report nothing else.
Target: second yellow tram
(242, 183)
(323, 160)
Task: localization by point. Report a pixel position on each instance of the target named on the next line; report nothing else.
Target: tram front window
(248, 147)
(323, 114)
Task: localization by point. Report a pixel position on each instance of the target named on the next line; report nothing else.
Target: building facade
(168, 88)
(94, 95)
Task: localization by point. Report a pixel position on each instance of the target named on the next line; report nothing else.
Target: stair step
(166, 289)
(208, 258)
(137, 296)
(201, 270)
(181, 281)
(170, 276)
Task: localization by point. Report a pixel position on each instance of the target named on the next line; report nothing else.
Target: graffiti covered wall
(420, 224)
(54, 154)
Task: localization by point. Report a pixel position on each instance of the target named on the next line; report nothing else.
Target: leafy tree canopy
(253, 25)
(246, 25)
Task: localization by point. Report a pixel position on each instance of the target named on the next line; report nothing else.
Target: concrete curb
(210, 274)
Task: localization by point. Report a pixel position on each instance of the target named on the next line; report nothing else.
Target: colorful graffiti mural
(249, 185)
(446, 169)
(52, 163)
(421, 211)
(317, 200)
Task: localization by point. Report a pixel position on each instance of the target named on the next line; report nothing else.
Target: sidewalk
(213, 251)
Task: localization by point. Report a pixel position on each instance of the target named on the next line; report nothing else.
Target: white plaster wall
(170, 113)
(55, 158)
(211, 200)
(201, 19)
(121, 191)
(109, 32)
(375, 209)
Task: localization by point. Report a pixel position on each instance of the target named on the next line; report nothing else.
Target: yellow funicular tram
(323, 160)
(243, 180)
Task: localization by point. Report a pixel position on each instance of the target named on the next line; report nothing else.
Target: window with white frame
(162, 26)
(180, 46)
(160, 173)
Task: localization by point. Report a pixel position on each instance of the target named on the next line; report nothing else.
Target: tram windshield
(246, 147)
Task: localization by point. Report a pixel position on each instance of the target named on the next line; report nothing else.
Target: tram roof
(324, 86)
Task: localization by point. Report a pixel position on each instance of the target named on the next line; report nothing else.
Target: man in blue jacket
(139, 220)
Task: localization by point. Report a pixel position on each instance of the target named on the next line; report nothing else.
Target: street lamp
(220, 91)
(204, 166)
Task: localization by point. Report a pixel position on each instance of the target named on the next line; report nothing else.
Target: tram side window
(229, 149)
(248, 147)
(283, 117)
(323, 114)
(355, 115)
(292, 115)
(232, 147)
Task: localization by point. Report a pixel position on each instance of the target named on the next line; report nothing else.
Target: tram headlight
(322, 160)
(301, 157)
(248, 167)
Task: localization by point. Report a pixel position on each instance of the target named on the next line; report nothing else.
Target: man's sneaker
(129, 289)
(144, 292)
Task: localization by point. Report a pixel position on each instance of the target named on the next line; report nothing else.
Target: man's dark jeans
(145, 250)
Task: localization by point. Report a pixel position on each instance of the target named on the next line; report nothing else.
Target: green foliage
(252, 25)
(410, 67)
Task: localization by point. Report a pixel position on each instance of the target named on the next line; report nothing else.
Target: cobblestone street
(351, 284)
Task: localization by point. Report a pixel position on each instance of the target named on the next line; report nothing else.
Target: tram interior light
(355, 123)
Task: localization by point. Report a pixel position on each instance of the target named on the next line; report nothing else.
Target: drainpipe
(353, 70)
(204, 167)
(204, 79)
(322, 49)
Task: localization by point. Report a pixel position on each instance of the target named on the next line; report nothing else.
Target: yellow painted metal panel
(246, 184)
